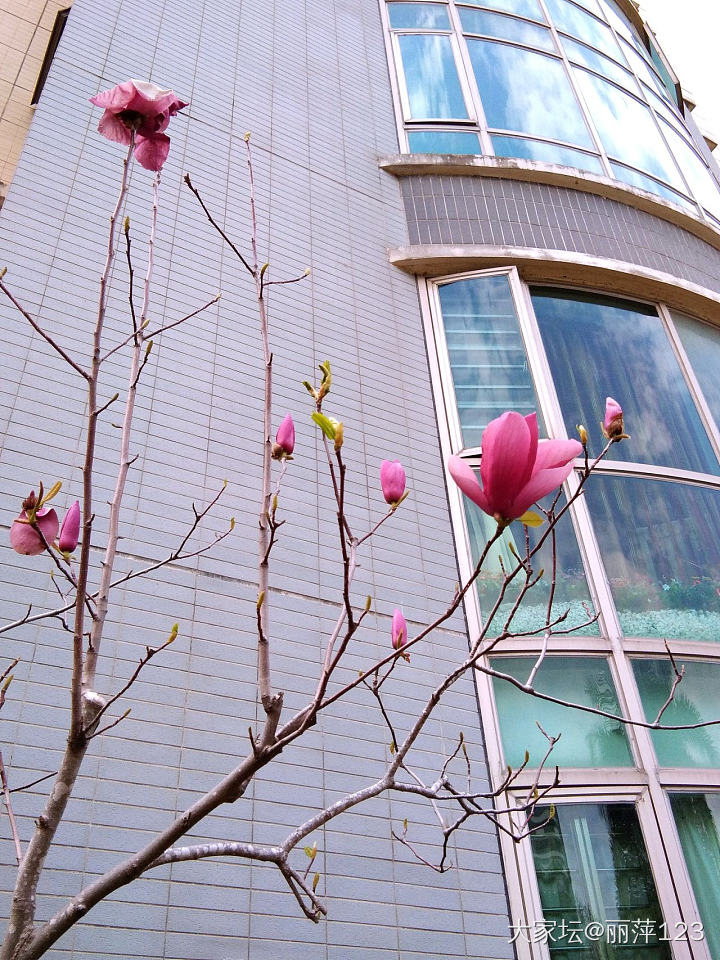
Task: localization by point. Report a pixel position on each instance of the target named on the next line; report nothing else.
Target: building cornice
(561, 266)
(511, 168)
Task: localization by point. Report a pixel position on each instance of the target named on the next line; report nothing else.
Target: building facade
(505, 205)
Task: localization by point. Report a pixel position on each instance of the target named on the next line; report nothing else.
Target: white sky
(688, 32)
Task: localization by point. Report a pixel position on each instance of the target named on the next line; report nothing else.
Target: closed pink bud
(392, 481)
(284, 439)
(70, 529)
(26, 540)
(399, 630)
(613, 426)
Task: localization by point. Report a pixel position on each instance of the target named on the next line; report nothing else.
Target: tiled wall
(310, 81)
(490, 210)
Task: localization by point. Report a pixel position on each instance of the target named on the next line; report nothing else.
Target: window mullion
(472, 91)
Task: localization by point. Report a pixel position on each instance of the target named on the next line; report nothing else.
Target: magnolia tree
(517, 471)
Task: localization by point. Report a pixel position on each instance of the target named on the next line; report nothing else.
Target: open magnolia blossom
(516, 469)
(139, 107)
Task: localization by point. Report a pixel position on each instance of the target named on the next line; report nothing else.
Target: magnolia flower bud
(613, 426)
(284, 439)
(392, 481)
(70, 529)
(399, 630)
(26, 540)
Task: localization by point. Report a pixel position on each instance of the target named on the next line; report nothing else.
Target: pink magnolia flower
(399, 630)
(392, 481)
(516, 470)
(613, 426)
(284, 439)
(143, 108)
(26, 540)
(70, 529)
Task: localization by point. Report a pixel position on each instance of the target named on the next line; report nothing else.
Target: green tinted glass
(586, 740)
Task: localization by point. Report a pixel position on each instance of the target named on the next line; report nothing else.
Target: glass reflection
(545, 152)
(626, 128)
(599, 346)
(593, 871)
(659, 543)
(528, 92)
(431, 77)
(641, 180)
(695, 701)
(578, 23)
(697, 816)
(597, 61)
(701, 182)
(419, 15)
(587, 740)
(571, 599)
(443, 141)
(702, 345)
(523, 8)
(487, 354)
(507, 28)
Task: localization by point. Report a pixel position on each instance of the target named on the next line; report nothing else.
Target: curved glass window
(636, 572)
(528, 92)
(599, 95)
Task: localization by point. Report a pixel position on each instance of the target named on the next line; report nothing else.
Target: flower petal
(507, 445)
(556, 453)
(542, 483)
(117, 98)
(151, 152)
(112, 128)
(464, 476)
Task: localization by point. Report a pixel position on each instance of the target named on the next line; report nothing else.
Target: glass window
(507, 28)
(433, 16)
(644, 182)
(599, 346)
(591, 865)
(695, 701)
(572, 19)
(626, 128)
(644, 70)
(598, 62)
(701, 182)
(697, 816)
(571, 599)
(431, 77)
(586, 740)
(702, 345)
(444, 141)
(523, 8)
(659, 541)
(528, 92)
(487, 354)
(545, 152)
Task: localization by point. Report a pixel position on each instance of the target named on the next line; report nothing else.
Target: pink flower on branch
(392, 481)
(70, 529)
(516, 470)
(399, 632)
(143, 109)
(284, 439)
(613, 426)
(25, 539)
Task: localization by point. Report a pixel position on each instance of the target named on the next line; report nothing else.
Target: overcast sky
(689, 33)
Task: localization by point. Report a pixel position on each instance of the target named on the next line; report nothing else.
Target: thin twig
(11, 815)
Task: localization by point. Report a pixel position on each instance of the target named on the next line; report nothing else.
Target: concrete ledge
(511, 168)
(613, 276)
